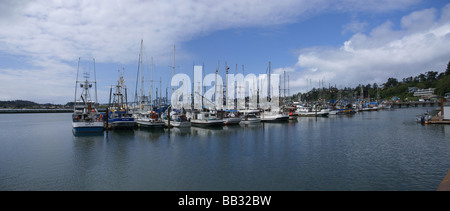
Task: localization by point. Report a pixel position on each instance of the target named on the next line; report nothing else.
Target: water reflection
(81, 134)
(335, 153)
(182, 131)
(150, 134)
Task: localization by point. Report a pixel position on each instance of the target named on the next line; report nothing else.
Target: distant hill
(18, 104)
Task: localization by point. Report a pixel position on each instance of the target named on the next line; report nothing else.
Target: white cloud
(59, 31)
(420, 45)
(354, 27)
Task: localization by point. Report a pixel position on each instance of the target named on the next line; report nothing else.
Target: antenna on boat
(95, 82)
(173, 70)
(140, 72)
(151, 84)
(76, 84)
(173, 63)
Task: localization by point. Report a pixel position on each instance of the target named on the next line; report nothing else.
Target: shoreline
(31, 110)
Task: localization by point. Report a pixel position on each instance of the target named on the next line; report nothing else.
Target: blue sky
(340, 42)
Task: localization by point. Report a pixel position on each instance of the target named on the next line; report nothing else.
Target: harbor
(223, 104)
(198, 141)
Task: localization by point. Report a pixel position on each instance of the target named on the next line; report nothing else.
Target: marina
(225, 96)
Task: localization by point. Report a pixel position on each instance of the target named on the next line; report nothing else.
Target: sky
(341, 43)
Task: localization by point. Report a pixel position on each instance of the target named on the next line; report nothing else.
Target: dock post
(107, 117)
(168, 118)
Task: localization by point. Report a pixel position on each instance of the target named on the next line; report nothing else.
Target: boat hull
(251, 121)
(87, 127)
(313, 114)
(149, 124)
(274, 118)
(207, 123)
(121, 123)
(232, 121)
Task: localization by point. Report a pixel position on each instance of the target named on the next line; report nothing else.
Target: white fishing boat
(119, 116)
(206, 119)
(312, 112)
(269, 113)
(250, 117)
(333, 112)
(274, 116)
(291, 110)
(232, 117)
(145, 115)
(177, 119)
(85, 117)
(149, 119)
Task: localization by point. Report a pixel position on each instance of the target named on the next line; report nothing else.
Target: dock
(437, 120)
(442, 116)
(415, 104)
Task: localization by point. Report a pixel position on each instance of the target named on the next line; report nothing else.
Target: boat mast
(226, 85)
(140, 75)
(268, 90)
(95, 82)
(215, 82)
(86, 87)
(173, 70)
(284, 85)
(76, 84)
(173, 63)
(151, 84)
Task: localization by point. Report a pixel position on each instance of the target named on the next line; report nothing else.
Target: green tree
(443, 86)
(447, 71)
(422, 77)
(391, 82)
(431, 75)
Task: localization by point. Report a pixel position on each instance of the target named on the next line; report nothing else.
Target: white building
(424, 93)
(446, 109)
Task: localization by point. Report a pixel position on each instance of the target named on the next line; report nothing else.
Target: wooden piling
(107, 118)
(168, 118)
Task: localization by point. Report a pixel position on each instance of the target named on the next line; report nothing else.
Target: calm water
(384, 150)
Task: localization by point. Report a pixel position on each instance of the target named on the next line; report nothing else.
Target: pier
(414, 104)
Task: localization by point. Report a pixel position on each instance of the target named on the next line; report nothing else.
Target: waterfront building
(425, 93)
(446, 109)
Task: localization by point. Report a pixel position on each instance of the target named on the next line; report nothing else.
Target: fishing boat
(250, 117)
(177, 119)
(85, 117)
(312, 112)
(274, 116)
(369, 106)
(149, 119)
(423, 118)
(347, 111)
(119, 116)
(231, 117)
(293, 115)
(145, 115)
(206, 119)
